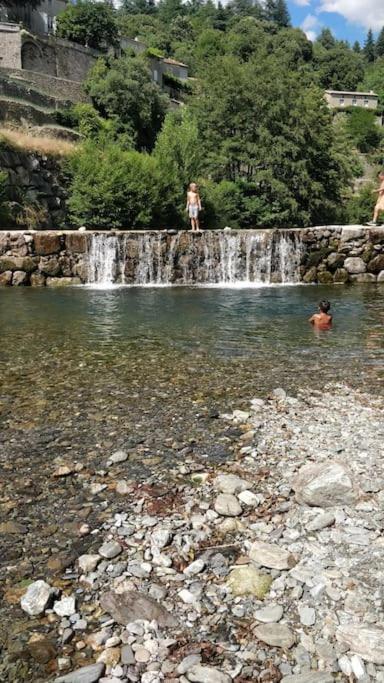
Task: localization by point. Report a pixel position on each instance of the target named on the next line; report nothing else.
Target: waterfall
(233, 258)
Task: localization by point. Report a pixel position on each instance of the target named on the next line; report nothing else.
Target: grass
(21, 139)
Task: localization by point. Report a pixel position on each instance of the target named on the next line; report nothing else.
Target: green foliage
(138, 6)
(277, 11)
(379, 48)
(223, 204)
(122, 90)
(113, 188)
(359, 208)
(369, 49)
(4, 205)
(363, 130)
(326, 39)
(176, 83)
(338, 67)
(89, 23)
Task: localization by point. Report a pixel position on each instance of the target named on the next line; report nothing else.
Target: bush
(114, 188)
(360, 206)
(363, 130)
(222, 203)
(89, 23)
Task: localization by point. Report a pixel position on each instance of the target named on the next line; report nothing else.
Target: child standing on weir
(193, 206)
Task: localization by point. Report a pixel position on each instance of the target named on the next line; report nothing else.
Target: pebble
(65, 607)
(117, 456)
(127, 656)
(207, 674)
(271, 556)
(187, 663)
(278, 635)
(87, 674)
(142, 655)
(110, 549)
(230, 484)
(269, 614)
(249, 498)
(307, 616)
(322, 521)
(227, 505)
(194, 568)
(37, 598)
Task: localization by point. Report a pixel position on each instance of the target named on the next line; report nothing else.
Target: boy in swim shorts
(193, 206)
(323, 319)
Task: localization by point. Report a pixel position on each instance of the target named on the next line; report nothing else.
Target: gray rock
(307, 616)
(132, 605)
(321, 521)
(65, 607)
(110, 549)
(88, 563)
(277, 635)
(380, 277)
(118, 456)
(19, 278)
(87, 674)
(366, 641)
(324, 485)
(271, 555)
(37, 598)
(160, 538)
(127, 656)
(207, 674)
(194, 568)
(270, 614)
(227, 505)
(230, 483)
(310, 677)
(187, 663)
(354, 265)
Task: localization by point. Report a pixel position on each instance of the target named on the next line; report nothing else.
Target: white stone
(307, 616)
(310, 677)
(37, 598)
(270, 614)
(324, 485)
(194, 568)
(187, 663)
(207, 674)
(358, 667)
(354, 265)
(160, 538)
(123, 488)
(227, 505)
(271, 555)
(230, 483)
(87, 674)
(363, 640)
(345, 665)
(88, 563)
(187, 597)
(118, 456)
(321, 521)
(240, 416)
(142, 655)
(65, 607)
(110, 549)
(249, 498)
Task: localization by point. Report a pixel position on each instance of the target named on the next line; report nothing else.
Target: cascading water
(248, 257)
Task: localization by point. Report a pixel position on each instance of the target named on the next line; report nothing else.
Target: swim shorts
(193, 211)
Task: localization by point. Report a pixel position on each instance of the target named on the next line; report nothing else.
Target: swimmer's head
(193, 187)
(324, 306)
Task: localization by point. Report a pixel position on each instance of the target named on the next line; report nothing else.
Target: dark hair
(324, 306)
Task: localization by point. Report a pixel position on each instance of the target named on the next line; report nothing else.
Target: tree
(170, 9)
(380, 44)
(122, 89)
(339, 68)
(356, 47)
(277, 11)
(89, 23)
(369, 47)
(139, 7)
(363, 130)
(326, 39)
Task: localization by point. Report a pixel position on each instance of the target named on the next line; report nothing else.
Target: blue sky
(348, 19)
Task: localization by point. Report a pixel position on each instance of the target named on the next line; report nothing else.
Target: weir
(259, 257)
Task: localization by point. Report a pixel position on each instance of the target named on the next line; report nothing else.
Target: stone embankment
(326, 255)
(267, 569)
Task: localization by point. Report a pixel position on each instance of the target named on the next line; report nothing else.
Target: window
(50, 24)
(156, 75)
(366, 103)
(341, 101)
(354, 101)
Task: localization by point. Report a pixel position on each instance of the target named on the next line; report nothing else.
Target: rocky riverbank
(266, 568)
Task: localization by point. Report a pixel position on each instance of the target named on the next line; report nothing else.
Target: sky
(348, 19)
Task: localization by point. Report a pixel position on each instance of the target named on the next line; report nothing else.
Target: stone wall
(35, 180)
(10, 46)
(60, 88)
(328, 255)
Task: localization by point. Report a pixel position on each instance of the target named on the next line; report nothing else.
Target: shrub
(114, 188)
(363, 130)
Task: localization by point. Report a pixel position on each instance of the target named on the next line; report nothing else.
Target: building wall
(10, 46)
(337, 100)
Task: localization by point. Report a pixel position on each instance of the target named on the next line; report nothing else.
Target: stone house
(41, 20)
(338, 99)
(159, 66)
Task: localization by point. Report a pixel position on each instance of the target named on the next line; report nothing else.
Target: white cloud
(302, 3)
(368, 13)
(310, 26)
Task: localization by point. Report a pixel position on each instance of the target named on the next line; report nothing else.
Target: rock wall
(328, 255)
(35, 180)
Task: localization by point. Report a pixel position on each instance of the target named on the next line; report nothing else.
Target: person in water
(380, 200)
(193, 206)
(323, 319)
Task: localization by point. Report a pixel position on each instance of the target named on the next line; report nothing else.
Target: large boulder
(324, 485)
(19, 278)
(325, 277)
(354, 265)
(76, 242)
(367, 641)
(376, 264)
(6, 278)
(335, 260)
(13, 263)
(49, 265)
(340, 276)
(46, 243)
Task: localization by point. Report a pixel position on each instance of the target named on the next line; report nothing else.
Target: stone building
(159, 65)
(338, 99)
(41, 20)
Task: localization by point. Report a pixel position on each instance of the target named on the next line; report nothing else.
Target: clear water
(219, 344)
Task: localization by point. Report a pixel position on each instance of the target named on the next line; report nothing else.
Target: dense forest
(254, 130)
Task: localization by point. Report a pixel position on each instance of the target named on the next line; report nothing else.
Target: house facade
(41, 20)
(338, 99)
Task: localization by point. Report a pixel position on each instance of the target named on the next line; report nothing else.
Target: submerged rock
(132, 605)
